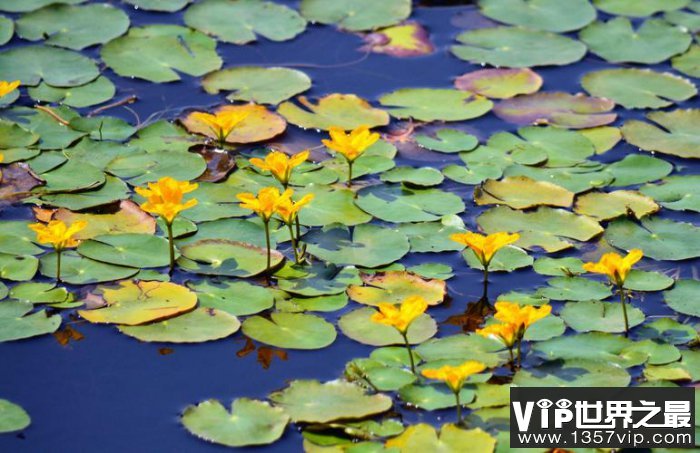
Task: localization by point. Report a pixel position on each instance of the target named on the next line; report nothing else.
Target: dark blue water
(111, 393)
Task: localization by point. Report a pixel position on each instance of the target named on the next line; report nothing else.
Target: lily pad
(660, 239)
(399, 204)
(159, 5)
(40, 293)
(500, 83)
(462, 347)
(260, 124)
(573, 373)
(515, 47)
(319, 280)
(57, 67)
(395, 286)
(249, 422)
(342, 110)
(357, 15)
(574, 288)
(133, 303)
(158, 52)
(332, 206)
(129, 218)
(358, 326)
(679, 193)
(78, 270)
(574, 111)
(423, 177)
(367, 245)
(12, 417)
(290, 330)
(639, 280)
(112, 190)
(600, 316)
(30, 5)
(224, 257)
(617, 41)
(507, 259)
(639, 9)
(433, 396)
(257, 84)
(423, 437)
(638, 88)
(96, 92)
(128, 249)
(73, 27)
(17, 324)
(237, 298)
(239, 22)
(550, 15)
(432, 104)
(667, 330)
(432, 236)
(609, 205)
(551, 145)
(408, 39)
(197, 326)
(448, 141)
(18, 267)
(638, 169)
(675, 133)
(682, 297)
(689, 62)
(559, 267)
(141, 167)
(521, 192)
(594, 347)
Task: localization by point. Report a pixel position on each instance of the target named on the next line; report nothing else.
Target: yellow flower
(57, 233)
(351, 145)
(615, 266)
(520, 317)
(454, 376)
(485, 247)
(8, 87)
(402, 316)
(288, 209)
(221, 123)
(266, 203)
(507, 333)
(280, 165)
(164, 197)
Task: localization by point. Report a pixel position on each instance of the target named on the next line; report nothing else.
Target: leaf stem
(623, 301)
(171, 247)
(410, 354)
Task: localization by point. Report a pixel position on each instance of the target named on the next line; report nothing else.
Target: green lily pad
(128, 249)
(314, 402)
(158, 52)
(17, 239)
(507, 259)
(424, 437)
(574, 111)
(290, 330)
(18, 267)
(237, 298)
(30, 5)
(7, 30)
(638, 88)
(357, 15)
(592, 347)
(676, 135)
(521, 192)
(320, 280)
(383, 377)
(257, 84)
(358, 326)
(638, 169)
(12, 417)
(96, 92)
(660, 239)
(515, 47)
(377, 158)
(679, 193)
(534, 145)
(395, 286)
(249, 422)
(74, 27)
(639, 9)
(57, 67)
(462, 347)
(71, 176)
(667, 330)
(448, 141)
(681, 298)
(423, 177)
(54, 135)
(78, 270)
(609, 205)
(432, 236)
(577, 179)
(434, 396)
(549, 15)
(159, 5)
(617, 41)
(367, 245)
(432, 104)
(15, 135)
(685, 18)
(558, 267)
(545, 329)
(573, 373)
(574, 288)
(17, 324)
(141, 167)
(639, 280)
(224, 257)
(500, 83)
(40, 293)
(326, 303)
(197, 326)
(114, 189)
(599, 316)
(399, 204)
(689, 62)
(331, 206)
(239, 22)
(342, 110)
(127, 219)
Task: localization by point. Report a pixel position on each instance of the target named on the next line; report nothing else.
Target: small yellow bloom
(288, 209)
(521, 317)
(615, 266)
(164, 197)
(266, 203)
(485, 247)
(454, 376)
(351, 145)
(8, 87)
(280, 165)
(402, 316)
(57, 233)
(506, 333)
(221, 123)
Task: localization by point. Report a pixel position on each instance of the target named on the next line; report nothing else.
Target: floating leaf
(78, 270)
(96, 92)
(133, 303)
(30, 5)
(636, 8)
(515, 47)
(432, 104)
(551, 145)
(290, 330)
(432, 236)
(399, 204)
(434, 396)
(128, 249)
(156, 52)
(319, 280)
(574, 288)
(159, 5)
(689, 62)
(395, 286)
(639, 280)
(560, 267)
(357, 15)
(660, 239)
(549, 15)
(57, 67)
(464, 347)
(342, 110)
(358, 326)
(250, 422)
(74, 27)
(128, 219)
(448, 141)
(197, 326)
(573, 373)
(40, 293)
(638, 88)
(594, 347)
(12, 417)
(637, 169)
(606, 206)
(600, 316)
(239, 22)
(260, 124)
(667, 330)
(423, 437)
(500, 83)
(17, 324)
(236, 298)
(409, 39)
(682, 297)
(574, 111)
(141, 167)
(224, 257)
(679, 136)
(507, 259)
(679, 193)
(423, 177)
(616, 41)
(521, 192)
(257, 84)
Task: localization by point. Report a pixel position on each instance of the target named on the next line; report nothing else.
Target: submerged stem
(171, 246)
(294, 243)
(58, 265)
(623, 301)
(267, 243)
(410, 354)
(349, 183)
(459, 408)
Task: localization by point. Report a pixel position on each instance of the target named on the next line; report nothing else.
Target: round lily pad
(660, 239)
(550, 15)
(159, 5)
(114, 189)
(574, 111)
(554, 146)
(259, 124)
(521, 192)
(507, 259)
(7, 29)
(358, 326)
(462, 347)
(96, 92)
(395, 286)
(594, 347)
(573, 373)
(432, 104)
(224, 257)
(40, 293)
(290, 330)
(140, 167)
(638, 88)
(638, 169)
(424, 437)
(133, 303)
(12, 417)
(608, 205)
(18, 268)
(398, 204)
(332, 206)
(639, 280)
(57, 67)
(314, 402)
(16, 323)
(574, 288)
(600, 316)
(500, 83)
(679, 193)
(318, 280)
(448, 141)
(682, 297)
(237, 298)
(342, 110)
(30, 5)
(433, 396)
(197, 326)
(515, 47)
(675, 134)
(423, 177)
(408, 39)
(357, 15)
(78, 270)
(257, 84)
(127, 249)
(249, 422)
(636, 8)
(559, 267)
(689, 62)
